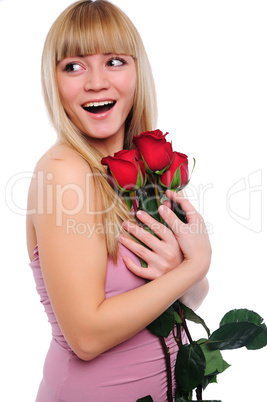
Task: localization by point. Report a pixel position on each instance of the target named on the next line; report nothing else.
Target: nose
(96, 80)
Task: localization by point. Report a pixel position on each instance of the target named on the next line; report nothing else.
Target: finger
(158, 228)
(167, 203)
(146, 273)
(176, 225)
(187, 207)
(138, 249)
(140, 233)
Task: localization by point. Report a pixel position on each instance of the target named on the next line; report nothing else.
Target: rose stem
(199, 393)
(168, 367)
(157, 194)
(133, 199)
(178, 337)
(181, 314)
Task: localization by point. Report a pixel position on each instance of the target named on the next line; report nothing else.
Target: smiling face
(97, 93)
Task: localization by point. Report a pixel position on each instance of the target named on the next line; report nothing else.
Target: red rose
(177, 175)
(127, 169)
(155, 150)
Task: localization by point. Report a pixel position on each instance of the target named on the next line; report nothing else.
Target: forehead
(85, 34)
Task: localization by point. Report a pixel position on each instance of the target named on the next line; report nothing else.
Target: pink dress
(125, 373)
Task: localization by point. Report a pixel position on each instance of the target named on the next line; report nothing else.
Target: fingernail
(121, 238)
(163, 209)
(124, 225)
(140, 213)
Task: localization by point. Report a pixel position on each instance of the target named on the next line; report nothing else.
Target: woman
(99, 91)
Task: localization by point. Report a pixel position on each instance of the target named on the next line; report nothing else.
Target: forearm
(120, 317)
(194, 297)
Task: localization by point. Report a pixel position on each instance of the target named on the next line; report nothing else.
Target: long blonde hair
(90, 27)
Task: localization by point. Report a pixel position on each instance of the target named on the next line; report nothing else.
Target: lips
(98, 107)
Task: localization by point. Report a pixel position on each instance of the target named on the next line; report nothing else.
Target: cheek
(128, 86)
(67, 91)
(132, 83)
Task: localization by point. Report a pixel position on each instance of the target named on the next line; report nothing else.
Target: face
(97, 92)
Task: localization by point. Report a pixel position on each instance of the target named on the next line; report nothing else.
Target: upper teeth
(91, 104)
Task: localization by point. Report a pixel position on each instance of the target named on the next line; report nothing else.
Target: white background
(209, 61)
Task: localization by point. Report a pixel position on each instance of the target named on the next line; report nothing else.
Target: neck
(108, 146)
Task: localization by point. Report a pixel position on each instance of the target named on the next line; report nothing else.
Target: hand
(163, 254)
(192, 236)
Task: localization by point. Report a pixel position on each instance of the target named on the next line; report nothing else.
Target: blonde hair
(89, 27)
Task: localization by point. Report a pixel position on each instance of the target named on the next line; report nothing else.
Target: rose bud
(177, 175)
(155, 150)
(127, 170)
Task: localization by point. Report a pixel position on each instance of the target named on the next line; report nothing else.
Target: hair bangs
(93, 28)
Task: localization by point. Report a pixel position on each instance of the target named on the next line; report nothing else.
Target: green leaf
(177, 318)
(143, 263)
(147, 168)
(145, 399)
(176, 180)
(185, 399)
(260, 341)
(163, 325)
(140, 181)
(212, 378)
(148, 201)
(214, 360)
(244, 315)
(181, 399)
(209, 379)
(192, 316)
(190, 367)
(240, 315)
(234, 335)
(193, 168)
(128, 201)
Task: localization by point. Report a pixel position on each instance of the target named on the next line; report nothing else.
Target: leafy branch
(199, 362)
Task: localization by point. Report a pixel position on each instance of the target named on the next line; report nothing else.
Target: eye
(72, 67)
(116, 62)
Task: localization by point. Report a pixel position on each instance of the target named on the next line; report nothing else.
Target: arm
(164, 255)
(74, 268)
(194, 297)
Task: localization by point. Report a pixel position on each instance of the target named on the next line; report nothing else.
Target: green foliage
(190, 367)
(239, 328)
(190, 315)
(247, 315)
(181, 399)
(200, 362)
(260, 341)
(214, 360)
(148, 201)
(234, 335)
(240, 316)
(163, 325)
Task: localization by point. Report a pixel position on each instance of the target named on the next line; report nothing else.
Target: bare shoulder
(61, 170)
(62, 177)
(61, 187)
(60, 158)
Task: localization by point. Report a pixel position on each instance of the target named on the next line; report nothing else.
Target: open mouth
(98, 107)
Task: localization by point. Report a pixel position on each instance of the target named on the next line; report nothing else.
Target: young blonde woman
(99, 91)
